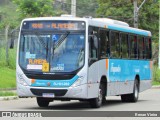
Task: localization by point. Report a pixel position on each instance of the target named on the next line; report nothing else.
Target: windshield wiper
(45, 45)
(61, 39)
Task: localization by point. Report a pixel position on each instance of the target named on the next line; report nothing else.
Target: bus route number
(37, 25)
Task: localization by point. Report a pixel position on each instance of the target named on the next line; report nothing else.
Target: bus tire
(133, 97)
(97, 102)
(104, 93)
(42, 102)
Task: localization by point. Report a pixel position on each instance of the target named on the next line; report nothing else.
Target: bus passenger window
(144, 49)
(133, 47)
(115, 45)
(140, 47)
(148, 48)
(104, 44)
(93, 47)
(124, 46)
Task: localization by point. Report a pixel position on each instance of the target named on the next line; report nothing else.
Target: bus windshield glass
(56, 50)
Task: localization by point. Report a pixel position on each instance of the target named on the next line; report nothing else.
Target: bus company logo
(115, 69)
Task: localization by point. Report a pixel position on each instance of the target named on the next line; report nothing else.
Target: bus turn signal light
(33, 81)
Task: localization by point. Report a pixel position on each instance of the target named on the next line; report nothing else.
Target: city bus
(85, 59)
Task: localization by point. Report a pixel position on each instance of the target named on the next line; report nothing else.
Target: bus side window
(124, 46)
(148, 48)
(93, 42)
(140, 47)
(133, 47)
(115, 45)
(104, 44)
(144, 49)
(93, 47)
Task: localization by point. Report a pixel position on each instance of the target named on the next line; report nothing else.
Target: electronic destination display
(53, 25)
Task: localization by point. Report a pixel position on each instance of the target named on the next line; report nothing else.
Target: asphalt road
(149, 100)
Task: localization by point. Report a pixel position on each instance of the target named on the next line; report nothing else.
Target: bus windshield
(55, 52)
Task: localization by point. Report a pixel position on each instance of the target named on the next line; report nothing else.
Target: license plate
(48, 95)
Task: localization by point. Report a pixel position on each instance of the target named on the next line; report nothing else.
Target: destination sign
(53, 25)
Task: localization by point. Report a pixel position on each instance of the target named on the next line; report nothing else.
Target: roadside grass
(7, 71)
(156, 75)
(155, 83)
(7, 93)
(2, 57)
(7, 77)
(11, 58)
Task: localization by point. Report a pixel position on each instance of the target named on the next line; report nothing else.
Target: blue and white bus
(69, 58)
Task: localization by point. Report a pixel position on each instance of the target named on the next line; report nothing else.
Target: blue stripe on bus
(54, 83)
(129, 30)
(122, 70)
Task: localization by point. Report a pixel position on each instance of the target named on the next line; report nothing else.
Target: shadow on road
(80, 105)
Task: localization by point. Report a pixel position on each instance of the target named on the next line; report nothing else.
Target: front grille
(57, 92)
(50, 77)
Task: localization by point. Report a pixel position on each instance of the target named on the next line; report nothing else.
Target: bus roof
(99, 22)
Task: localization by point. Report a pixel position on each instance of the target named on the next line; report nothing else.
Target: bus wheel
(97, 102)
(134, 96)
(42, 102)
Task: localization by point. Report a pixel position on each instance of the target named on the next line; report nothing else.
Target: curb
(9, 98)
(156, 87)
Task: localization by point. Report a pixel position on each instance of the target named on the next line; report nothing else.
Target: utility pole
(73, 7)
(136, 10)
(135, 14)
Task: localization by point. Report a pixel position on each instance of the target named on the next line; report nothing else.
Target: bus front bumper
(78, 92)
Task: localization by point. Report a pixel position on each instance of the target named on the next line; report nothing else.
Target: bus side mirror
(11, 44)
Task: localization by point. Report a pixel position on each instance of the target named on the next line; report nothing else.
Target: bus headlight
(21, 80)
(78, 81)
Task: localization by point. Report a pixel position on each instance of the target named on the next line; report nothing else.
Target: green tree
(86, 7)
(8, 16)
(35, 8)
(123, 10)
